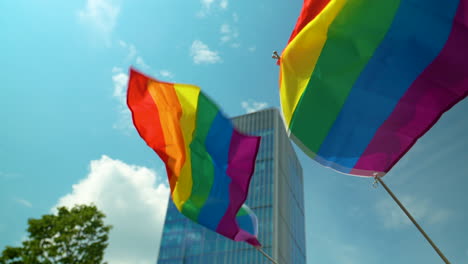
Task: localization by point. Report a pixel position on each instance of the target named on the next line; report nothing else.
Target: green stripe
(242, 212)
(352, 39)
(202, 164)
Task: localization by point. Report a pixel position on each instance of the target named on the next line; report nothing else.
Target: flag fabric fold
(208, 162)
(362, 81)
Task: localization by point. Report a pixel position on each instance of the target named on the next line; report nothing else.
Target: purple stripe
(242, 153)
(247, 237)
(442, 84)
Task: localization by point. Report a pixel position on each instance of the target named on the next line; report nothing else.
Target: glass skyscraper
(275, 195)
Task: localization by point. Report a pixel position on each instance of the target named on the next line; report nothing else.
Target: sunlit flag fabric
(208, 162)
(361, 81)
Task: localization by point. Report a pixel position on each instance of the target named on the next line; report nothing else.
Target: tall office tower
(275, 195)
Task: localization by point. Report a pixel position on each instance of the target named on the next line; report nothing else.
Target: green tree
(72, 236)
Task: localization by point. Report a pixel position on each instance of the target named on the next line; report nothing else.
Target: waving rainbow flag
(361, 81)
(209, 163)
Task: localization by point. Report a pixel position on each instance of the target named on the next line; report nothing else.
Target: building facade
(276, 196)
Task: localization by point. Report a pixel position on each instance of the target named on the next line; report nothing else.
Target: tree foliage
(72, 236)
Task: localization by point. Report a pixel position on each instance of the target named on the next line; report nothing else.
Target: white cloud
(252, 106)
(8, 176)
(24, 202)
(430, 148)
(123, 43)
(225, 38)
(229, 33)
(131, 50)
(422, 210)
(223, 4)
(166, 74)
(209, 5)
(201, 53)
(134, 205)
(141, 63)
(101, 15)
(235, 17)
(120, 81)
(132, 55)
(206, 6)
(225, 28)
(252, 49)
(346, 253)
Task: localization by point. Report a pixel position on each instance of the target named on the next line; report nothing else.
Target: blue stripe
(417, 35)
(245, 223)
(217, 145)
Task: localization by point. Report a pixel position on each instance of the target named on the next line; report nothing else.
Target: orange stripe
(170, 113)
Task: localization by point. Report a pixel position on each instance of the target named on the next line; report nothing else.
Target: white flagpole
(266, 255)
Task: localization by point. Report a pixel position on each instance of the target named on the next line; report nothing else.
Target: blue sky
(67, 137)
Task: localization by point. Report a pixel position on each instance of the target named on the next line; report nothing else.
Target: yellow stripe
(188, 98)
(300, 57)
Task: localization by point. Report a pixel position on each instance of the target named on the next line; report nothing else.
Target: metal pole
(266, 255)
(413, 220)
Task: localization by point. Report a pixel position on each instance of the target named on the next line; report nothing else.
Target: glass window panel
(220, 258)
(209, 246)
(194, 249)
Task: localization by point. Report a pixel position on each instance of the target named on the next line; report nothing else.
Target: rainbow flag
(209, 163)
(361, 81)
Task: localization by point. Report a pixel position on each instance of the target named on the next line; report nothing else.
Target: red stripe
(310, 9)
(442, 84)
(146, 118)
